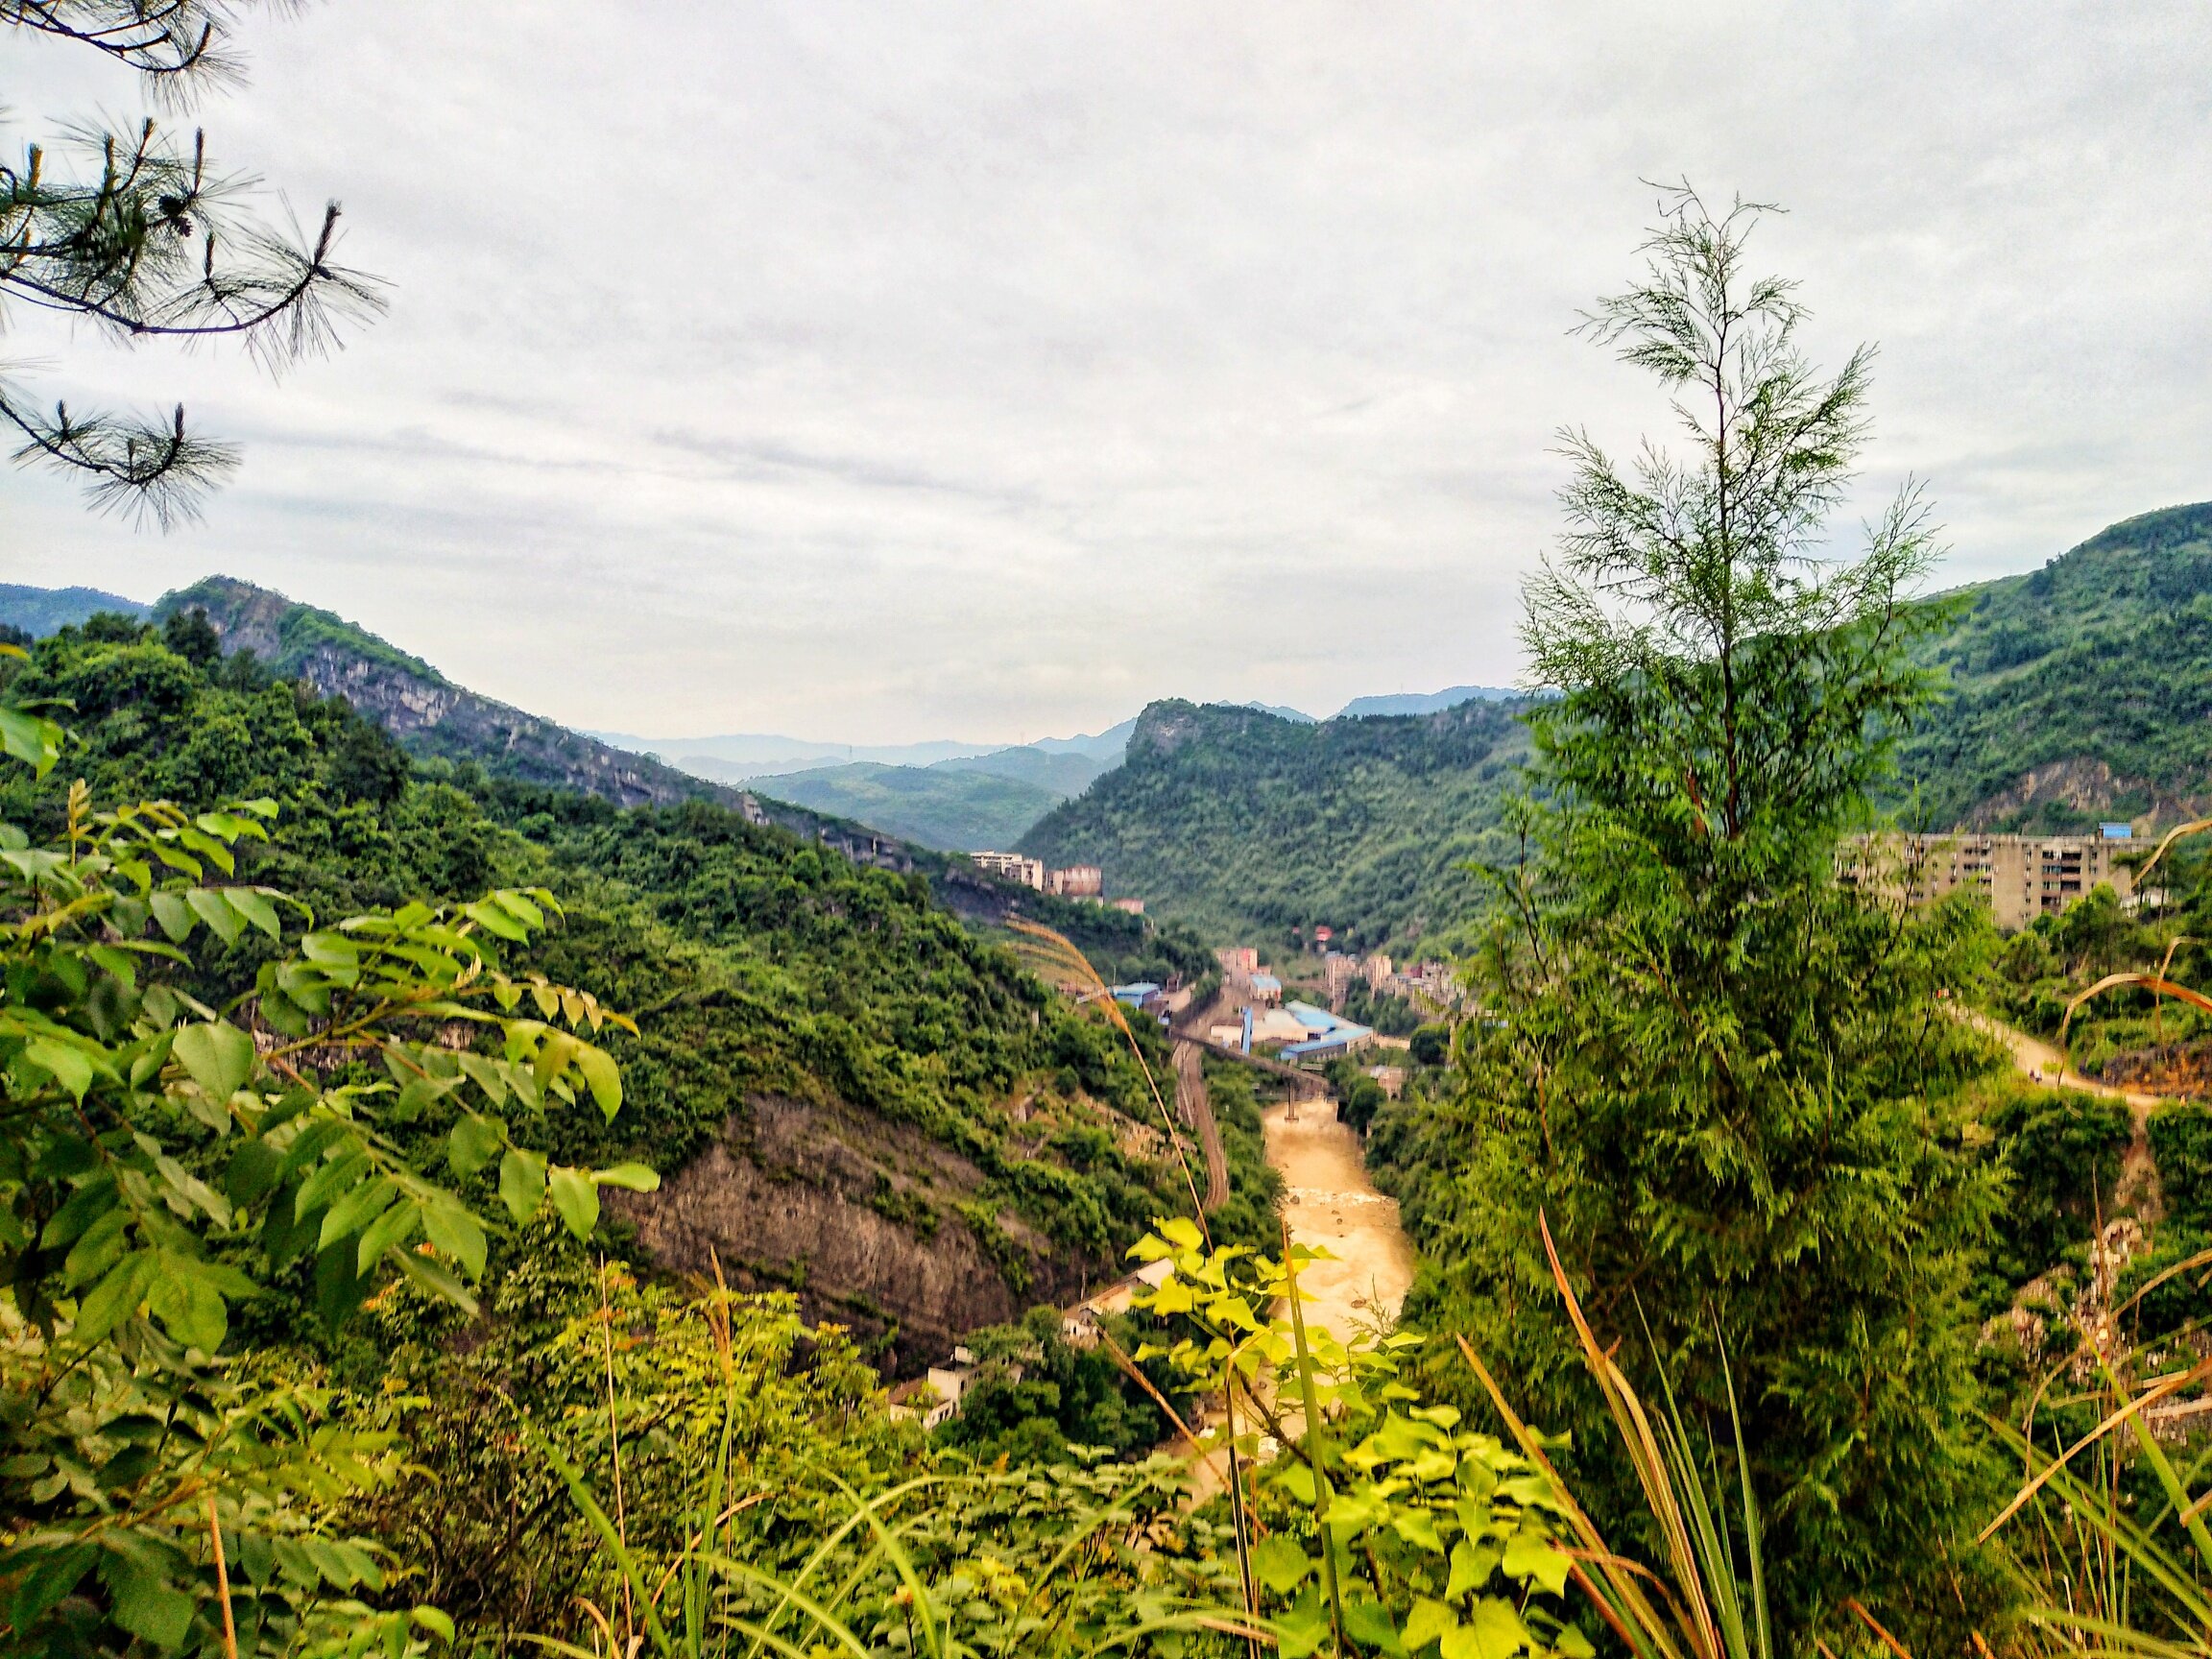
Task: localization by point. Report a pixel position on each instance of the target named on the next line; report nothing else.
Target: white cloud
(988, 369)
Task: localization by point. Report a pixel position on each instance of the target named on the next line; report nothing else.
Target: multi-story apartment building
(1076, 881)
(1030, 871)
(2024, 877)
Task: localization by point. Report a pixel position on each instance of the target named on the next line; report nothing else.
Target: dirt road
(1197, 1109)
(1331, 1203)
(2037, 1060)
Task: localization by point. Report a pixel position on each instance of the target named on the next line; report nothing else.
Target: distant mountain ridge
(1424, 703)
(2079, 693)
(42, 610)
(425, 712)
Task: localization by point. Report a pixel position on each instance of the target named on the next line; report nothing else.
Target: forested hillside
(884, 1112)
(1250, 824)
(2080, 691)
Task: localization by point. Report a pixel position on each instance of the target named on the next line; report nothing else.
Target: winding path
(1197, 1109)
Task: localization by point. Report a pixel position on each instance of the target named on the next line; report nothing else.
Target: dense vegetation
(1251, 825)
(761, 966)
(1711, 1073)
(2080, 691)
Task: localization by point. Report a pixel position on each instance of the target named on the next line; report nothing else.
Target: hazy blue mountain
(954, 811)
(1064, 774)
(1422, 703)
(44, 611)
(1108, 745)
(768, 754)
(1281, 712)
(1064, 765)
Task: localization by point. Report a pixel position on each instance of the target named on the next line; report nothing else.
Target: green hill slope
(855, 1095)
(953, 810)
(2083, 690)
(1248, 824)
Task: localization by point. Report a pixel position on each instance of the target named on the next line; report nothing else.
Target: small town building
(2023, 876)
(1076, 881)
(1266, 990)
(1028, 871)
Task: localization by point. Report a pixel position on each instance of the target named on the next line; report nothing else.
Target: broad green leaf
(575, 1198)
(456, 1233)
(635, 1177)
(603, 1075)
(1418, 1527)
(356, 1209)
(254, 904)
(519, 906)
(219, 1056)
(187, 1305)
(1304, 1625)
(116, 1297)
(1532, 1555)
(522, 1183)
(89, 1202)
(1472, 1565)
(118, 964)
(433, 1620)
(1429, 1619)
(392, 1228)
(1493, 1631)
(36, 742)
(334, 1178)
(66, 1065)
(497, 922)
(1369, 1623)
(173, 914)
(97, 1249)
(486, 1075)
(1279, 1562)
(146, 1605)
(435, 1279)
(211, 907)
(472, 1142)
(43, 1588)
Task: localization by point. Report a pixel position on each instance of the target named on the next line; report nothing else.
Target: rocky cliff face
(425, 712)
(858, 1215)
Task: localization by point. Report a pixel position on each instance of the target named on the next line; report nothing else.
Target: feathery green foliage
(1723, 1075)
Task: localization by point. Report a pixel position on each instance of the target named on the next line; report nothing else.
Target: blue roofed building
(1329, 1036)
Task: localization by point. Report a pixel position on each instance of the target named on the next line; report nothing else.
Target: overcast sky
(880, 372)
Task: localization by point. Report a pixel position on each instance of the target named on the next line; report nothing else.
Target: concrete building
(1030, 871)
(1327, 1035)
(2023, 876)
(1237, 959)
(1378, 970)
(1337, 971)
(1076, 881)
(1135, 906)
(1267, 990)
